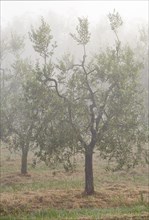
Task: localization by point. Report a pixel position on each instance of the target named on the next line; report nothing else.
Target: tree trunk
(89, 184)
(24, 160)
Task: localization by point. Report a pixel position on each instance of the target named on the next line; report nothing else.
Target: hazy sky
(131, 10)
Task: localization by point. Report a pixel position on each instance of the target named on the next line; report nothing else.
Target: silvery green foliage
(115, 20)
(41, 39)
(83, 35)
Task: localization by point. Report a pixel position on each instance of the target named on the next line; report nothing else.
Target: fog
(95, 10)
(18, 16)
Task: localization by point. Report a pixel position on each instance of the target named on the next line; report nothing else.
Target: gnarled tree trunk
(89, 184)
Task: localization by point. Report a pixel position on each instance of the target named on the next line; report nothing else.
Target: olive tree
(100, 96)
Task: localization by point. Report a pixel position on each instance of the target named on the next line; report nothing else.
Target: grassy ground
(106, 213)
(47, 194)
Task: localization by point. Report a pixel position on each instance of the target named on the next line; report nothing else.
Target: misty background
(18, 16)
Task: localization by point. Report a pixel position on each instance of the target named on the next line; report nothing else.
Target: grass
(74, 214)
(48, 184)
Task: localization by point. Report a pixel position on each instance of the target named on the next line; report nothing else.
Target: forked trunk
(89, 184)
(24, 161)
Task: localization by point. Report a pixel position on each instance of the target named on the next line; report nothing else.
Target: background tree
(25, 106)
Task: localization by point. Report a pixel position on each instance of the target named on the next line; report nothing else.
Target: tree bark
(89, 184)
(24, 160)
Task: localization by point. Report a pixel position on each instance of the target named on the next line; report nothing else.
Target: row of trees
(60, 108)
